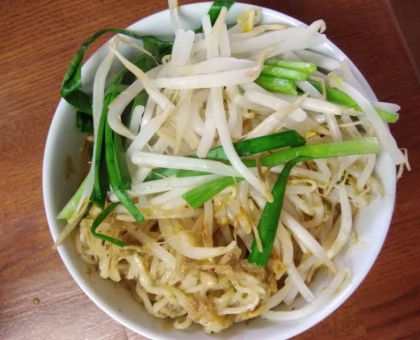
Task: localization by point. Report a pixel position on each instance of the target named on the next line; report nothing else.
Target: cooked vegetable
(270, 217)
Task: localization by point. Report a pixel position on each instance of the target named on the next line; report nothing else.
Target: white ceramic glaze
(64, 140)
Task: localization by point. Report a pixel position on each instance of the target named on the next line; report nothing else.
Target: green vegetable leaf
(198, 196)
(281, 72)
(97, 222)
(279, 85)
(158, 48)
(101, 180)
(243, 148)
(72, 82)
(324, 150)
(216, 7)
(214, 12)
(339, 97)
(70, 208)
(260, 144)
(84, 122)
(116, 173)
(270, 217)
(300, 66)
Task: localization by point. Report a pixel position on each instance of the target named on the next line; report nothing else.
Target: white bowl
(64, 140)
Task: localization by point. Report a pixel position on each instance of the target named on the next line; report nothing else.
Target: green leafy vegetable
(260, 144)
(243, 148)
(116, 173)
(101, 182)
(279, 85)
(325, 150)
(200, 195)
(269, 220)
(216, 7)
(300, 66)
(84, 122)
(158, 48)
(69, 209)
(97, 222)
(337, 96)
(214, 12)
(281, 72)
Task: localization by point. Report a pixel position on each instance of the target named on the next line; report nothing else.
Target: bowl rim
(318, 316)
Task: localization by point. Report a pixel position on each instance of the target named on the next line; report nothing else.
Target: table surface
(38, 298)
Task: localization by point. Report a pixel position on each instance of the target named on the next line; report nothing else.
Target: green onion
(260, 144)
(101, 182)
(216, 7)
(300, 66)
(214, 12)
(116, 174)
(269, 220)
(198, 196)
(243, 148)
(316, 151)
(191, 173)
(71, 205)
(97, 222)
(158, 48)
(278, 85)
(281, 72)
(116, 88)
(122, 168)
(387, 116)
(72, 82)
(84, 122)
(160, 173)
(337, 96)
(140, 99)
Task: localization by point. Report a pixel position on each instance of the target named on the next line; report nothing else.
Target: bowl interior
(63, 144)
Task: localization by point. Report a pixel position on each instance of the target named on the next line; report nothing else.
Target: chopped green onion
(300, 66)
(387, 116)
(280, 72)
(190, 173)
(140, 99)
(115, 175)
(198, 196)
(71, 205)
(216, 7)
(260, 144)
(279, 85)
(270, 217)
(97, 222)
(158, 48)
(339, 97)
(122, 168)
(160, 173)
(214, 11)
(101, 182)
(116, 88)
(316, 151)
(243, 148)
